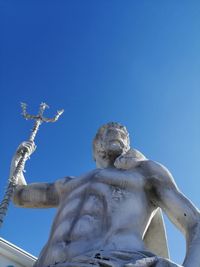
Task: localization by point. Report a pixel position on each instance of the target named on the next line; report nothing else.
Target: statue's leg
(162, 262)
(145, 262)
(152, 262)
(117, 259)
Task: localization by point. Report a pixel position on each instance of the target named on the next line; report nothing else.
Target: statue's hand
(28, 147)
(126, 162)
(129, 160)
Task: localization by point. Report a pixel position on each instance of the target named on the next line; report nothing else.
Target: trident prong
(42, 108)
(39, 119)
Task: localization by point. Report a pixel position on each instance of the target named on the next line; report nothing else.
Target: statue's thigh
(152, 262)
(161, 262)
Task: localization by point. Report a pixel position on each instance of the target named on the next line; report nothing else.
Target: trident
(12, 183)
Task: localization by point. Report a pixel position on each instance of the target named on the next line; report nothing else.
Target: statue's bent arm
(36, 195)
(179, 209)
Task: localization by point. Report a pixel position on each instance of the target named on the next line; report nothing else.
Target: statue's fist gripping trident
(23, 153)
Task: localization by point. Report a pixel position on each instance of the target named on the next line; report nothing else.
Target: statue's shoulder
(134, 153)
(157, 172)
(151, 167)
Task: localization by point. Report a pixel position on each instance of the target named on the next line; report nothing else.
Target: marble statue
(111, 216)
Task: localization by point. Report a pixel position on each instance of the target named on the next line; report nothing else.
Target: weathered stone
(111, 215)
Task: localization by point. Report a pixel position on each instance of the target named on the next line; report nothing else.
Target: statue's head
(111, 140)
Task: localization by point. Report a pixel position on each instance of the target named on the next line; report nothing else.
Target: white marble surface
(111, 208)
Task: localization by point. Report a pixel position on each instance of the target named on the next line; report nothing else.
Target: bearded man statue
(111, 216)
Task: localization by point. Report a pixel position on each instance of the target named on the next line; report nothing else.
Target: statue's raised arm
(17, 169)
(36, 195)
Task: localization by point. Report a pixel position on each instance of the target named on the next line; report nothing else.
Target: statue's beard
(112, 150)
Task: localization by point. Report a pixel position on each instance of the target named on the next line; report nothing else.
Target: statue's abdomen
(83, 214)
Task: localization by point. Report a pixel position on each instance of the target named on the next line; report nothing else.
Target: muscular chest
(106, 189)
(108, 199)
(126, 190)
(121, 183)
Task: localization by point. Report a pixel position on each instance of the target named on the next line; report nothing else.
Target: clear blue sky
(136, 62)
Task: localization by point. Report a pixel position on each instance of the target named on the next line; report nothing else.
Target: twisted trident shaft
(39, 119)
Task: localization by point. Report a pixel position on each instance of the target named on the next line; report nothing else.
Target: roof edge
(16, 254)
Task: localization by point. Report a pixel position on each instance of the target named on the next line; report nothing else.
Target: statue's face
(111, 141)
(114, 141)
